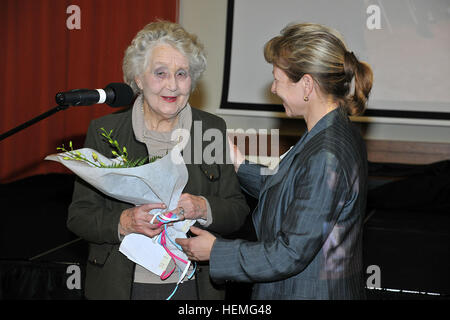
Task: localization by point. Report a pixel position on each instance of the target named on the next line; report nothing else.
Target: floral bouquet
(138, 182)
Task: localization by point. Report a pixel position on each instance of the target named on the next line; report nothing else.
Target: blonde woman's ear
(308, 84)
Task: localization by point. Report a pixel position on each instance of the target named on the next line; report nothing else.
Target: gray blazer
(308, 220)
(95, 217)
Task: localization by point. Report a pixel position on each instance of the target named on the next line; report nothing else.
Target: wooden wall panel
(386, 151)
(407, 151)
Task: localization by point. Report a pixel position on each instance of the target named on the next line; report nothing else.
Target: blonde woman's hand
(197, 248)
(235, 154)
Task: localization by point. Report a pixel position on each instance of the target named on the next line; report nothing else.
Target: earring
(306, 99)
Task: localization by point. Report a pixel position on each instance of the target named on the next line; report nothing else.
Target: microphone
(115, 95)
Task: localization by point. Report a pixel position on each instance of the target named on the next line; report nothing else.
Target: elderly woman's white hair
(162, 32)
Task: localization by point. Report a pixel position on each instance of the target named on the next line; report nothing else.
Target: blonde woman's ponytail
(362, 74)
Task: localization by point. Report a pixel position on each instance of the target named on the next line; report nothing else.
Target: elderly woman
(310, 212)
(162, 65)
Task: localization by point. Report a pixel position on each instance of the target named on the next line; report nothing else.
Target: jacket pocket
(98, 254)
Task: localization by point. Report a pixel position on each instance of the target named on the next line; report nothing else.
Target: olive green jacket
(95, 217)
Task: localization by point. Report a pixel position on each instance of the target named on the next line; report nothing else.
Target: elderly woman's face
(166, 83)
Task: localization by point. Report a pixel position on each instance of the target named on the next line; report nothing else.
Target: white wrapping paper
(156, 182)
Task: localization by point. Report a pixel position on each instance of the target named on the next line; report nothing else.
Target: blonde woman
(310, 213)
(162, 66)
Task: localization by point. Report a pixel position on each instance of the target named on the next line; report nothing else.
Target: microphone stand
(32, 121)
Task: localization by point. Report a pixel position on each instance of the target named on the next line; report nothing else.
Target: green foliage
(117, 152)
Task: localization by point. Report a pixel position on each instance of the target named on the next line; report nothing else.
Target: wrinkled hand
(197, 248)
(194, 207)
(235, 154)
(137, 220)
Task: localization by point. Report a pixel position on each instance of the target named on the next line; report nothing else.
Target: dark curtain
(41, 56)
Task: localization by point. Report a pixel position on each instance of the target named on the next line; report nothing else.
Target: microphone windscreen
(123, 94)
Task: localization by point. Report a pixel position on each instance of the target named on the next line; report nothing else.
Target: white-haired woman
(162, 66)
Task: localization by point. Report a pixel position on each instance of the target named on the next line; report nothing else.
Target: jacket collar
(325, 122)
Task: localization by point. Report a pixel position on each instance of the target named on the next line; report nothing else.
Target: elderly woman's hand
(197, 248)
(137, 220)
(192, 207)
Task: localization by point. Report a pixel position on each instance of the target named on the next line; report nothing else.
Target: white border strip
(417, 122)
(405, 291)
(251, 113)
(387, 120)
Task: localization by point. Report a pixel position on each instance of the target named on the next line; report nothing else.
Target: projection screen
(407, 43)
